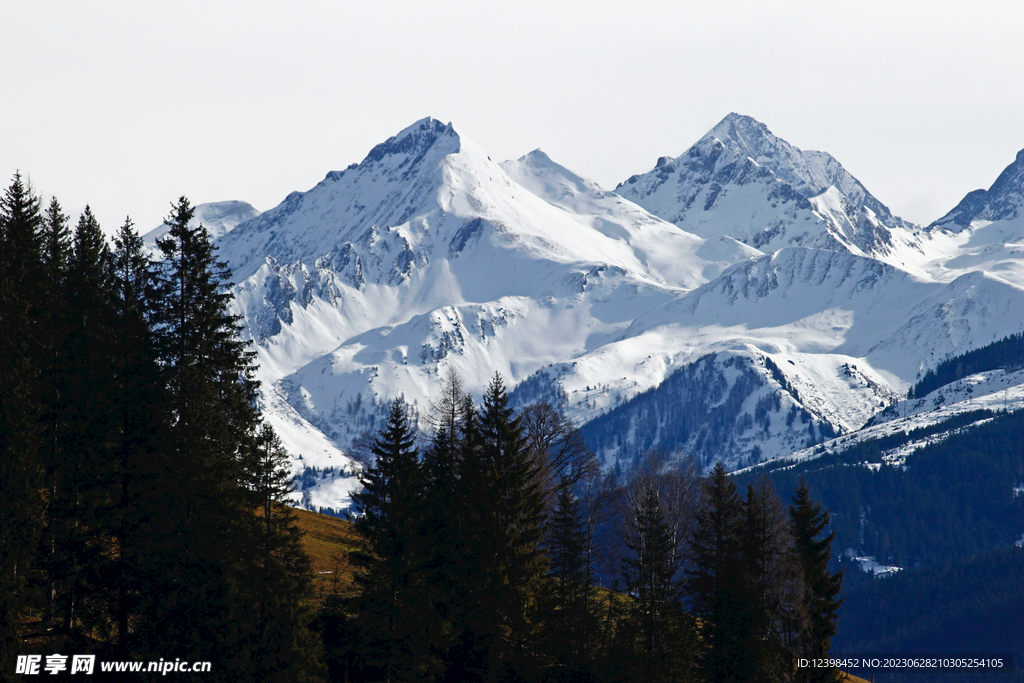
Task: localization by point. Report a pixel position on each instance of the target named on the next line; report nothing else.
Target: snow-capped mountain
(428, 255)
(1001, 202)
(219, 218)
(984, 232)
(774, 303)
(742, 181)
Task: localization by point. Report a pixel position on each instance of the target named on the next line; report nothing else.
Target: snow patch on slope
(996, 391)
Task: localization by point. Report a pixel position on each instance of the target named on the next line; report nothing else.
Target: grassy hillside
(328, 542)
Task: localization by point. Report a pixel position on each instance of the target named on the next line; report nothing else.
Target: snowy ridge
(731, 406)
(847, 335)
(994, 391)
(810, 301)
(664, 250)
(984, 232)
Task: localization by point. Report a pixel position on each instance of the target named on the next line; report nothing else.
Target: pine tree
(284, 648)
(446, 556)
(598, 503)
(78, 466)
(54, 320)
(55, 379)
(718, 581)
(507, 504)
(776, 585)
(20, 475)
(652, 578)
(461, 570)
(199, 547)
(569, 611)
(821, 587)
(140, 427)
(392, 606)
(222, 572)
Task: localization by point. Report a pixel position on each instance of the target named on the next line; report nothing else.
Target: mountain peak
(537, 157)
(418, 137)
(745, 136)
(745, 131)
(545, 177)
(742, 178)
(1003, 201)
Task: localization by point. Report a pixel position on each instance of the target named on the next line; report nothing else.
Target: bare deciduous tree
(553, 440)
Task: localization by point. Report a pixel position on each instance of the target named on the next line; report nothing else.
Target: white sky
(127, 105)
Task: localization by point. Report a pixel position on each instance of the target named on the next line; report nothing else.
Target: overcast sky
(127, 105)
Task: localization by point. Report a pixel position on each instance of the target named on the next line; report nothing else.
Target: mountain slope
(661, 249)
(837, 337)
(1003, 201)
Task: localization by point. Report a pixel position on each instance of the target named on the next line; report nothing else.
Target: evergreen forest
(951, 517)
(142, 511)
(1007, 353)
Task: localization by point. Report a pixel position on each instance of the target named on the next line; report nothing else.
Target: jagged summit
(740, 127)
(413, 140)
(1001, 202)
(742, 181)
(749, 137)
(809, 172)
(409, 145)
(398, 180)
(745, 137)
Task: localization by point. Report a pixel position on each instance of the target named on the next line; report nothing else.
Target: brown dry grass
(328, 541)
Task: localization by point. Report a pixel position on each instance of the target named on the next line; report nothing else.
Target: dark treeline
(973, 605)
(1006, 353)
(141, 496)
(494, 550)
(950, 518)
(953, 499)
